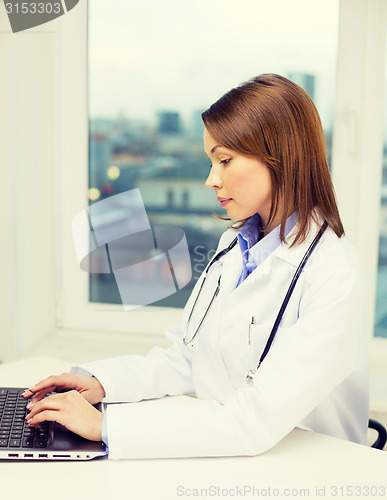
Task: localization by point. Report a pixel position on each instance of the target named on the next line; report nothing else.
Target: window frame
(74, 311)
(358, 132)
(361, 58)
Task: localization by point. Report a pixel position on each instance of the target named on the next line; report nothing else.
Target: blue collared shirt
(255, 251)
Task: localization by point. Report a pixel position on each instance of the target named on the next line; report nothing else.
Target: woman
(270, 172)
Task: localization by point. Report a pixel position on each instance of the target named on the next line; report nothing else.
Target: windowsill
(81, 346)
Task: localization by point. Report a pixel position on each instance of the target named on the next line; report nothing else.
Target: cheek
(256, 187)
(262, 183)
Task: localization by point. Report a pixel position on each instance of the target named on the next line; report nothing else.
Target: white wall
(27, 162)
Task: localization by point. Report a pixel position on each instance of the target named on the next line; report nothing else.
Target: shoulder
(338, 251)
(330, 248)
(335, 263)
(333, 260)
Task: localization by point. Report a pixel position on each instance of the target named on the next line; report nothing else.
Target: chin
(235, 215)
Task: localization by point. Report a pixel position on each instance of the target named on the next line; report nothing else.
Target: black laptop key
(40, 443)
(14, 443)
(3, 443)
(28, 442)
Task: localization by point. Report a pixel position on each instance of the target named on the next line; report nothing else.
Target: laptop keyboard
(14, 430)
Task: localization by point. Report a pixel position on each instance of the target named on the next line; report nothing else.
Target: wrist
(99, 386)
(96, 434)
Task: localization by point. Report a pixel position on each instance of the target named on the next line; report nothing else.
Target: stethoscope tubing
(217, 257)
(251, 373)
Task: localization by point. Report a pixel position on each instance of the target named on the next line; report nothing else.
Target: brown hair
(274, 120)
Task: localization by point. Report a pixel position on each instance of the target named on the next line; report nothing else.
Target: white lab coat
(315, 375)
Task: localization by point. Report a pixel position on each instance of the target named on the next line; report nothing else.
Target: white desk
(298, 465)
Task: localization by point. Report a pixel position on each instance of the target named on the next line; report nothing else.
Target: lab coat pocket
(256, 342)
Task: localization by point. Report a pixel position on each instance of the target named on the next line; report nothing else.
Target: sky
(147, 56)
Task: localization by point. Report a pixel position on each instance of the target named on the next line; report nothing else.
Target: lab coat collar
(293, 255)
(232, 263)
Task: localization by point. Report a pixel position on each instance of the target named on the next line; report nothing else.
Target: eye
(225, 162)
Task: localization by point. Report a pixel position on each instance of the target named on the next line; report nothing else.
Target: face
(242, 184)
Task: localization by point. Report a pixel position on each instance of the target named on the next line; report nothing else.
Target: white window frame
(357, 164)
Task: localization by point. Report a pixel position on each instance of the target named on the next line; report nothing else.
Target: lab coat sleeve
(134, 377)
(306, 362)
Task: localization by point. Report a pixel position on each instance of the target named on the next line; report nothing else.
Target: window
(155, 68)
(381, 292)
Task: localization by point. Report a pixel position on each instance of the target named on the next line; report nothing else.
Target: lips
(223, 201)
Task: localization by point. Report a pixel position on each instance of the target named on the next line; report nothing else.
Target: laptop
(48, 441)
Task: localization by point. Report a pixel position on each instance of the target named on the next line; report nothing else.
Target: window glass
(154, 68)
(381, 290)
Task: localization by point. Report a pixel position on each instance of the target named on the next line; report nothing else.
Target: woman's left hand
(72, 411)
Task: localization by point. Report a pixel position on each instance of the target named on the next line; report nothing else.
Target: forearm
(133, 377)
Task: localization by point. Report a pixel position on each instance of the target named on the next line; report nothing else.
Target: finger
(53, 383)
(53, 380)
(39, 396)
(28, 393)
(52, 402)
(43, 416)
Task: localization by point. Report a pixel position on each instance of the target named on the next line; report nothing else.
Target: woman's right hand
(88, 387)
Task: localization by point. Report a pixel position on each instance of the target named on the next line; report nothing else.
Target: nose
(213, 180)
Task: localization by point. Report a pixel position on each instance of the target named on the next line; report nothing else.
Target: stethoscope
(218, 256)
